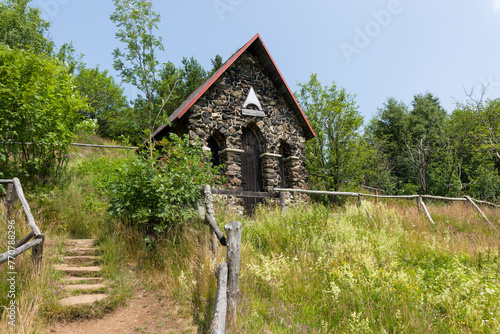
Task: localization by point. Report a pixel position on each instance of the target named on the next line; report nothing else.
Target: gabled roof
(257, 47)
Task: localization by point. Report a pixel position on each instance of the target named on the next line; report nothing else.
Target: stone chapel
(246, 115)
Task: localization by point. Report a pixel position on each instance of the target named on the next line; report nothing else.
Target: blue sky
(375, 49)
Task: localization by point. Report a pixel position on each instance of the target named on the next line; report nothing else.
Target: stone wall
(218, 113)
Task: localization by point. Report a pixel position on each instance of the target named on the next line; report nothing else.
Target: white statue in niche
(252, 100)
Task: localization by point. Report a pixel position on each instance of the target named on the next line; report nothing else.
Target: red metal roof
(256, 45)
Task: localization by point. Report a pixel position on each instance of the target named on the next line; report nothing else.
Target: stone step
(80, 243)
(81, 260)
(79, 271)
(81, 251)
(82, 299)
(81, 280)
(85, 287)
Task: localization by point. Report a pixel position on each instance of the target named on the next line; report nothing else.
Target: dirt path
(144, 313)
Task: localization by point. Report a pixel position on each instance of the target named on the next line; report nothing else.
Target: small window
(284, 172)
(214, 148)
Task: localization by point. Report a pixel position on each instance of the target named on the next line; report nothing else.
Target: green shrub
(39, 111)
(160, 192)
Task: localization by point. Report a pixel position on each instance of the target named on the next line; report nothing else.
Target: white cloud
(496, 6)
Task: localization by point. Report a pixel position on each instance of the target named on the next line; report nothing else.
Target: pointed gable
(255, 46)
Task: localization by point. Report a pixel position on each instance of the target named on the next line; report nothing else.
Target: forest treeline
(48, 93)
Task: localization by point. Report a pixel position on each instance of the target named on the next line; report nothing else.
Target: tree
(428, 149)
(138, 64)
(105, 98)
(39, 110)
(193, 75)
(415, 145)
(388, 133)
(474, 131)
(21, 26)
(179, 83)
(216, 64)
(335, 157)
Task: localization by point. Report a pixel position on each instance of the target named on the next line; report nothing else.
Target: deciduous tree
(21, 26)
(39, 110)
(335, 157)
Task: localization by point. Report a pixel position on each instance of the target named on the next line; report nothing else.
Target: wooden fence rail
(78, 144)
(14, 189)
(228, 272)
(419, 198)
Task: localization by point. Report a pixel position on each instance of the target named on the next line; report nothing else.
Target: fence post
(283, 201)
(419, 203)
(9, 199)
(218, 325)
(376, 194)
(425, 210)
(210, 215)
(37, 252)
(481, 212)
(233, 232)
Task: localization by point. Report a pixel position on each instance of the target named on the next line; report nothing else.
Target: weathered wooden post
(218, 325)
(233, 232)
(368, 212)
(419, 203)
(210, 215)
(376, 194)
(37, 252)
(283, 201)
(425, 210)
(9, 200)
(480, 211)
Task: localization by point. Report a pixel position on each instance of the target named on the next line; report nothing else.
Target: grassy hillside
(315, 269)
(330, 270)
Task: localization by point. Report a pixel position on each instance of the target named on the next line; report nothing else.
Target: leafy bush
(38, 115)
(160, 192)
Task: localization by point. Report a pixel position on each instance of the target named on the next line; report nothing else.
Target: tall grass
(36, 288)
(317, 269)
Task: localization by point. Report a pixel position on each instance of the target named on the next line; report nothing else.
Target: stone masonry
(218, 113)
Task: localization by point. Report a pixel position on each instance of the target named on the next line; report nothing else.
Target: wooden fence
(14, 189)
(418, 198)
(226, 300)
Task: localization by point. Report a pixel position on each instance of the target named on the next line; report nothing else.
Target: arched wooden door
(251, 170)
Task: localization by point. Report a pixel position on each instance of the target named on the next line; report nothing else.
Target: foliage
(39, 111)
(21, 26)
(179, 83)
(138, 64)
(336, 156)
(160, 193)
(105, 98)
(216, 63)
(428, 142)
(475, 131)
(414, 147)
(387, 133)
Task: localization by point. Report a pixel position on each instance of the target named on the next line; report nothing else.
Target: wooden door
(251, 170)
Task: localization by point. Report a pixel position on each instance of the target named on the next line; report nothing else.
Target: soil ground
(144, 313)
